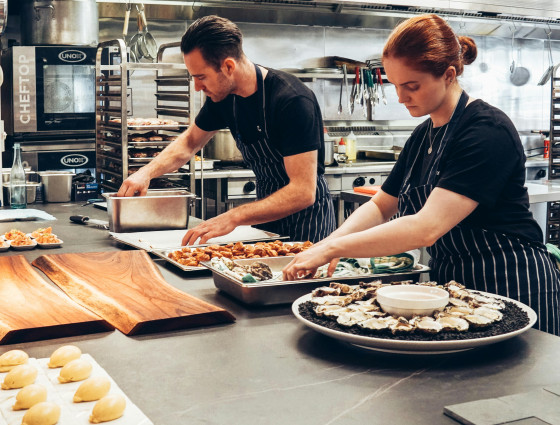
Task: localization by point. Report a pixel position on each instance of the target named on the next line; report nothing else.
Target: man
(276, 122)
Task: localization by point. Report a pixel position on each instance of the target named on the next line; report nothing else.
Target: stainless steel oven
(51, 90)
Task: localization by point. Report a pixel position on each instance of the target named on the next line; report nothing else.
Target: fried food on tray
(22, 241)
(192, 257)
(13, 234)
(41, 231)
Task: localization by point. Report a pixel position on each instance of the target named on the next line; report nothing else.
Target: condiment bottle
(341, 151)
(18, 188)
(351, 147)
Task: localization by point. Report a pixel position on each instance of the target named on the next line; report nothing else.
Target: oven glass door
(65, 90)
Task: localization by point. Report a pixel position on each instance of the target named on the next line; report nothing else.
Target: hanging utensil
(137, 37)
(380, 78)
(132, 56)
(365, 94)
(512, 66)
(519, 75)
(345, 71)
(340, 97)
(548, 73)
(352, 96)
(355, 86)
(147, 45)
(358, 86)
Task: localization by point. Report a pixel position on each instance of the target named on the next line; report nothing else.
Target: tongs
(354, 91)
(380, 80)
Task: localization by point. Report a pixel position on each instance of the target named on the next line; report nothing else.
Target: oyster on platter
(356, 305)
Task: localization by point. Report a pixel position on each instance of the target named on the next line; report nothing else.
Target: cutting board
(32, 309)
(127, 289)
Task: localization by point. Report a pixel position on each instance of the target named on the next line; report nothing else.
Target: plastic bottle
(341, 151)
(18, 188)
(351, 147)
(341, 146)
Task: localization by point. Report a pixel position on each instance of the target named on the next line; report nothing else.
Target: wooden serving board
(127, 289)
(32, 309)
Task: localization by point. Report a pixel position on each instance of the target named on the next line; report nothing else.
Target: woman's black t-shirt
(484, 161)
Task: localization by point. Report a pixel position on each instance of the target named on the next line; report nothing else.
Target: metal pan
(283, 292)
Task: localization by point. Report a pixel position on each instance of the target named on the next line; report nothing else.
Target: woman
(458, 185)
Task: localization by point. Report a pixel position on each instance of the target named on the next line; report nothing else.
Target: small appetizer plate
(24, 247)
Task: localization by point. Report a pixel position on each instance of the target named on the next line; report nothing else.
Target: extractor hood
(500, 18)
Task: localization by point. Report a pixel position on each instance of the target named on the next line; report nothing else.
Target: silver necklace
(430, 128)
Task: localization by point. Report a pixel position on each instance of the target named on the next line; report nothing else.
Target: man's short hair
(217, 38)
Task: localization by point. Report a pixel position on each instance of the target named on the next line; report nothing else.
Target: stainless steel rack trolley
(553, 208)
(124, 143)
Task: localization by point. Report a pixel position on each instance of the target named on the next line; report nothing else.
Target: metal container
(60, 22)
(29, 175)
(158, 210)
(283, 292)
(223, 148)
(329, 152)
(57, 185)
(31, 192)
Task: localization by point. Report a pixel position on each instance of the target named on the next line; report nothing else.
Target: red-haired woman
(458, 185)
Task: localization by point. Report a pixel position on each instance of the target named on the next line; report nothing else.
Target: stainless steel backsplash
(299, 46)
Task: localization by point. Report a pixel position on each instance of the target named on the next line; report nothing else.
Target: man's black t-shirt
(484, 161)
(293, 117)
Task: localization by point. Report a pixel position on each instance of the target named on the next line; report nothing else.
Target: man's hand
(135, 185)
(214, 227)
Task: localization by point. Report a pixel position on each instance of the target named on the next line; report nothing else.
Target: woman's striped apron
(313, 223)
(484, 260)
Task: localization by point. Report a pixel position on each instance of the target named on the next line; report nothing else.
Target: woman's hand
(305, 263)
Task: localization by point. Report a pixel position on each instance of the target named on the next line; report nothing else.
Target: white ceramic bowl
(411, 300)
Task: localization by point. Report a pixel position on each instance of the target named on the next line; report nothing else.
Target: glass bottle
(18, 189)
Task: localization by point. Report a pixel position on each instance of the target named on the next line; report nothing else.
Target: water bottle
(18, 189)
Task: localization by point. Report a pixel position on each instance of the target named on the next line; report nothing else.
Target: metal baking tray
(163, 252)
(159, 127)
(283, 292)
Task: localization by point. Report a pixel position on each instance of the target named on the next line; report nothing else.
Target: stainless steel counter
(269, 369)
(361, 167)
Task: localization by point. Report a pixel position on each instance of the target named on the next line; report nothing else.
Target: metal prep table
(267, 368)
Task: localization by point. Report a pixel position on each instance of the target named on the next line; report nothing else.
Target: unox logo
(72, 56)
(74, 160)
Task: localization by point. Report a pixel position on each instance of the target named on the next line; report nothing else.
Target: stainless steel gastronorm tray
(162, 253)
(282, 292)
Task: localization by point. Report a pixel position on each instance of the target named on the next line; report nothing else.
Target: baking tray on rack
(178, 126)
(283, 292)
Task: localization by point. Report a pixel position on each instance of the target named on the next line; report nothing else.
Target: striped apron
(313, 223)
(485, 260)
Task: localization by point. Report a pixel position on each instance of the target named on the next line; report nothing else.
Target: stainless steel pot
(223, 147)
(60, 22)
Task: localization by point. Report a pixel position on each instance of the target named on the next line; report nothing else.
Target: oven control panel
(241, 188)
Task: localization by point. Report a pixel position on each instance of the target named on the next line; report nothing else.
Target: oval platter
(416, 347)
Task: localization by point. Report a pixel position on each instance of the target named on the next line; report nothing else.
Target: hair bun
(469, 50)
